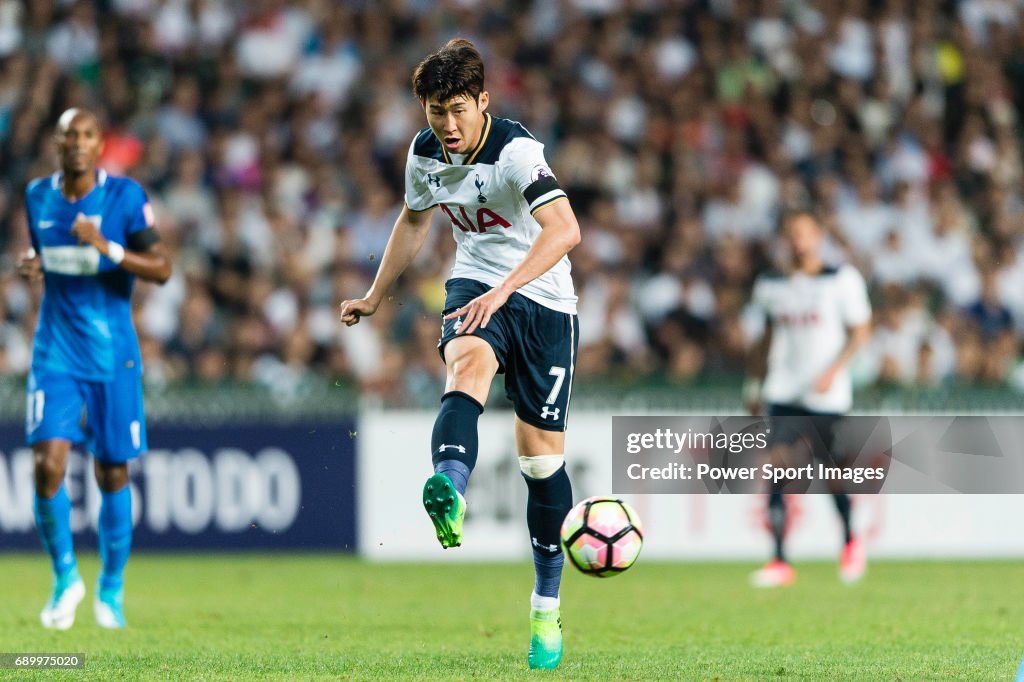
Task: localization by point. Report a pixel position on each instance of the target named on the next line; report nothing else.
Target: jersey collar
(483, 140)
(101, 180)
(470, 157)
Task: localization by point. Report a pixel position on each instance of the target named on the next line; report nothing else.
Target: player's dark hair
(456, 69)
(789, 216)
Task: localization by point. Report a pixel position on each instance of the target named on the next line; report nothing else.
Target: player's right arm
(151, 264)
(757, 369)
(30, 265)
(406, 239)
(757, 360)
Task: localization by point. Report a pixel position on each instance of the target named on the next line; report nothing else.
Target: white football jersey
(490, 196)
(809, 317)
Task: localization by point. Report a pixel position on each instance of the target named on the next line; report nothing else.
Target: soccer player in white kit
(816, 319)
(510, 308)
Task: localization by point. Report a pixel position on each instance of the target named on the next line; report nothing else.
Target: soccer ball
(602, 536)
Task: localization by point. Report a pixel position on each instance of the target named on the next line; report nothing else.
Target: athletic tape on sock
(541, 466)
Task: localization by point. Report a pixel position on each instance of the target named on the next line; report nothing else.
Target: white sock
(540, 603)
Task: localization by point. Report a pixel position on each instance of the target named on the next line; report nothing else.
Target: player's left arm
(856, 313)
(856, 338)
(560, 233)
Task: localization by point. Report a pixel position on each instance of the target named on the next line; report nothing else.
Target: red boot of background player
(853, 562)
(773, 574)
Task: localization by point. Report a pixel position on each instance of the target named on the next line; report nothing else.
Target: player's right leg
(52, 423)
(53, 521)
(471, 360)
(777, 572)
(784, 434)
(454, 442)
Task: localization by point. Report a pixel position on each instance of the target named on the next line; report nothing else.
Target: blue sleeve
(138, 212)
(139, 224)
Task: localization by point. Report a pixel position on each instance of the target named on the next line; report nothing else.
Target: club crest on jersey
(480, 190)
(434, 180)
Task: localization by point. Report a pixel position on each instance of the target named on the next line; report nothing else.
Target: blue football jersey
(85, 320)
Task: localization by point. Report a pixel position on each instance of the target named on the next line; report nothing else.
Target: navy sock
(842, 501)
(777, 518)
(454, 442)
(547, 503)
(457, 471)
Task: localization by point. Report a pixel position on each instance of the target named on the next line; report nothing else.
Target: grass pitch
(246, 616)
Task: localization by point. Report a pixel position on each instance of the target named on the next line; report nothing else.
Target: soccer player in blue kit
(92, 234)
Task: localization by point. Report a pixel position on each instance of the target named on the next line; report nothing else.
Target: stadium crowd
(272, 138)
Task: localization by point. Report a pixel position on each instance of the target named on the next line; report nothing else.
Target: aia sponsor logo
(805, 318)
(485, 218)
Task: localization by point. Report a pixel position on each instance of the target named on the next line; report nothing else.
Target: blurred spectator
(272, 137)
(74, 43)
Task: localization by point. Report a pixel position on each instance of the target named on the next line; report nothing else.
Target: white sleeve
(758, 306)
(523, 166)
(856, 308)
(417, 193)
(754, 316)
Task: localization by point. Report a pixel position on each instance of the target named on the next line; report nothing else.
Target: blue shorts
(106, 416)
(535, 347)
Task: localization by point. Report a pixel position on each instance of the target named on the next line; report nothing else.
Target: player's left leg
(853, 562)
(115, 541)
(549, 499)
(538, 380)
(852, 559)
(117, 434)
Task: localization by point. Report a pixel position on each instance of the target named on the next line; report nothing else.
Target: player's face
(457, 122)
(803, 236)
(79, 144)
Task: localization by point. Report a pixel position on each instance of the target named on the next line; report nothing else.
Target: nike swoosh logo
(44, 224)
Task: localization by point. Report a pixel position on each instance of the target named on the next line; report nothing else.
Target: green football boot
(545, 639)
(446, 508)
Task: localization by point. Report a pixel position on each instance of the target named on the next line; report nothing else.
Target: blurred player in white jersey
(816, 319)
(510, 308)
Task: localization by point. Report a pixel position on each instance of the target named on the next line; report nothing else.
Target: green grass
(283, 617)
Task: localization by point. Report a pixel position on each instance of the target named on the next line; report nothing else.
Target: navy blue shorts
(536, 350)
(816, 429)
(106, 416)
